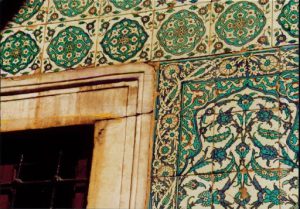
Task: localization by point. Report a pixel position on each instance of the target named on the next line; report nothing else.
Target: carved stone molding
(118, 100)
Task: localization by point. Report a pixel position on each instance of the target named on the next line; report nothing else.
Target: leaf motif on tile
(289, 18)
(236, 114)
(226, 108)
(69, 47)
(17, 51)
(28, 10)
(181, 32)
(124, 40)
(163, 192)
(240, 23)
(71, 8)
(125, 4)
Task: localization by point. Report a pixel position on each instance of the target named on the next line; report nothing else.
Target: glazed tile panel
(227, 131)
(115, 7)
(286, 22)
(66, 10)
(148, 30)
(227, 110)
(21, 50)
(69, 45)
(181, 32)
(240, 25)
(124, 39)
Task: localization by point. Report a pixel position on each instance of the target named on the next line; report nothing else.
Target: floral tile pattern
(117, 7)
(289, 186)
(163, 192)
(240, 25)
(290, 57)
(227, 107)
(247, 189)
(244, 189)
(33, 12)
(20, 51)
(66, 10)
(162, 30)
(230, 119)
(68, 46)
(187, 85)
(286, 22)
(162, 4)
(124, 39)
(240, 116)
(195, 191)
(181, 32)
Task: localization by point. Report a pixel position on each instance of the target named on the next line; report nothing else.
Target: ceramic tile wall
(227, 131)
(227, 110)
(56, 35)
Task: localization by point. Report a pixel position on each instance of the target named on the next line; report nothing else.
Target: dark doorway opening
(46, 168)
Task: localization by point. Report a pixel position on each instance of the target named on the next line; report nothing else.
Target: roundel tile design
(181, 32)
(125, 4)
(17, 52)
(71, 8)
(124, 40)
(289, 18)
(69, 47)
(240, 23)
(30, 8)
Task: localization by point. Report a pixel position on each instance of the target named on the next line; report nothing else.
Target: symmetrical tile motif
(115, 7)
(124, 39)
(227, 129)
(68, 46)
(20, 50)
(181, 32)
(226, 133)
(160, 30)
(240, 25)
(67, 10)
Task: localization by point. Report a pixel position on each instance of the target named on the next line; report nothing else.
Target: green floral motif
(274, 196)
(17, 52)
(69, 47)
(235, 129)
(30, 8)
(125, 4)
(240, 23)
(71, 8)
(232, 113)
(205, 199)
(124, 40)
(181, 32)
(289, 18)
